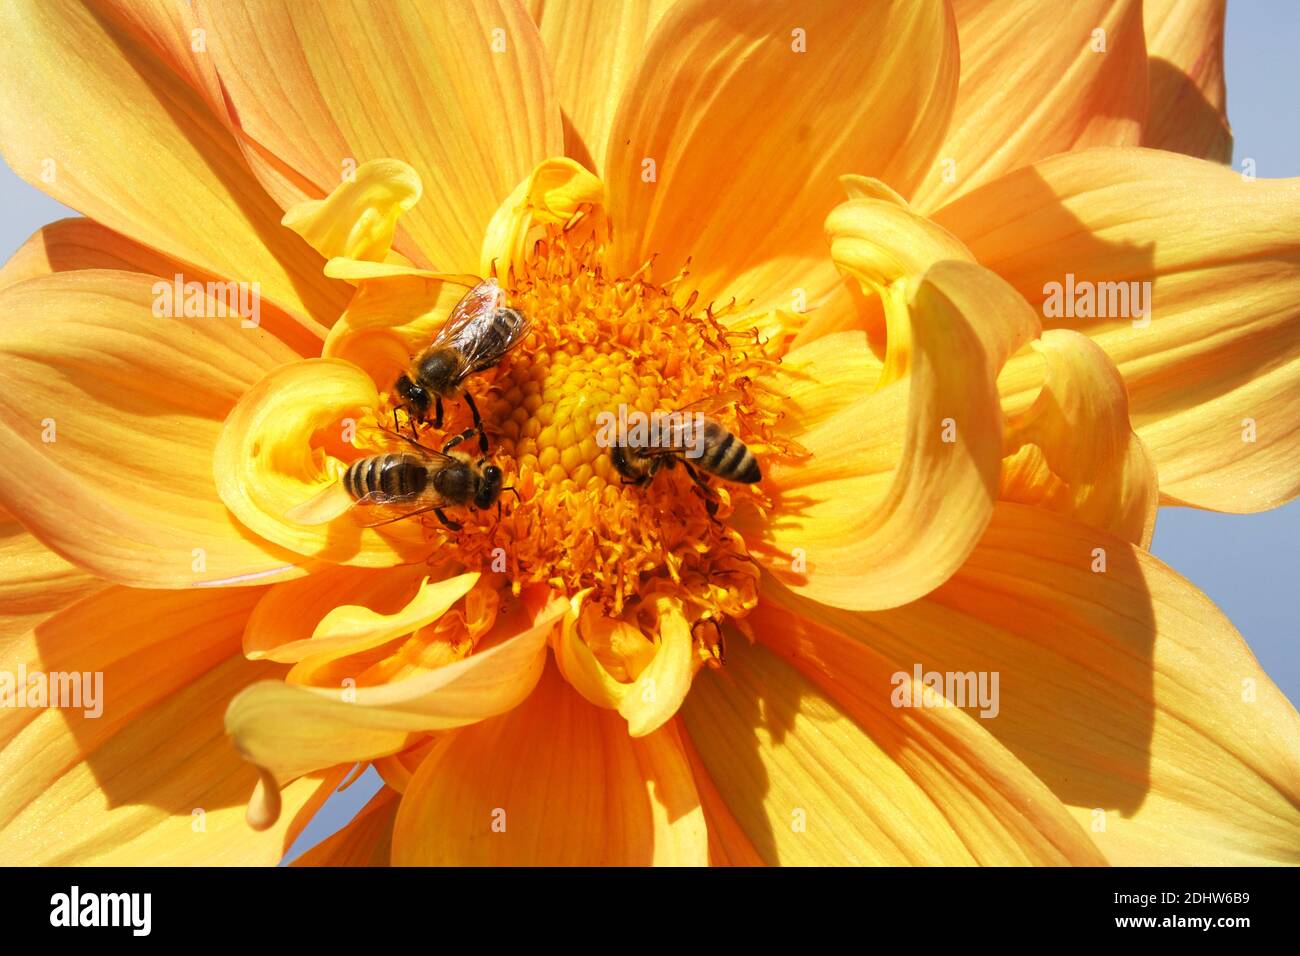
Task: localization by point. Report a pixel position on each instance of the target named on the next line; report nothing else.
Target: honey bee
(475, 337)
(383, 488)
(720, 453)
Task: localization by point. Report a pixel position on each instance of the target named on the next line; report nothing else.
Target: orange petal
(550, 195)
(823, 377)
(859, 86)
(647, 696)
(835, 775)
(277, 451)
(293, 729)
(391, 318)
(1187, 106)
(1074, 452)
(282, 624)
(459, 90)
(73, 244)
(1039, 77)
(1213, 366)
(728, 844)
(1125, 690)
(149, 778)
(595, 48)
(900, 484)
(489, 797)
(111, 414)
(34, 581)
(349, 628)
(358, 218)
(881, 243)
(93, 116)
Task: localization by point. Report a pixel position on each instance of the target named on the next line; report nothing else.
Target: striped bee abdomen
(727, 456)
(386, 478)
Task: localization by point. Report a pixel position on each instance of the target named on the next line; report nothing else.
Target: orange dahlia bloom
(857, 226)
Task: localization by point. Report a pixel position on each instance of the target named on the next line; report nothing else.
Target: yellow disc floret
(599, 347)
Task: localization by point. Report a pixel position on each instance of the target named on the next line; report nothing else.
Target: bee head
(417, 398)
(489, 488)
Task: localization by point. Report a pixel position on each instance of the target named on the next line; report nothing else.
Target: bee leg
(710, 499)
(451, 525)
(437, 411)
(458, 439)
(478, 422)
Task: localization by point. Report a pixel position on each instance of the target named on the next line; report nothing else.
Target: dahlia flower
(892, 242)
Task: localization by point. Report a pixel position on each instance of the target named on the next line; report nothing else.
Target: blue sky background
(1246, 563)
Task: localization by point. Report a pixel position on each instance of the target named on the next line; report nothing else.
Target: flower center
(601, 350)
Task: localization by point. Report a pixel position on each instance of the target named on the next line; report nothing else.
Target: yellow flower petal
(75, 244)
(489, 797)
(1213, 368)
(1187, 106)
(1073, 451)
(294, 729)
(650, 696)
(90, 114)
(812, 785)
(358, 218)
(111, 414)
(900, 484)
(1124, 690)
(468, 102)
(392, 318)
(595, 48)
(727, 95)
(267, 462)
(366, 609)
(1039, 77)
(34, 581)
(824, 377)
(150, 779)
(550, 195)
(882, 244)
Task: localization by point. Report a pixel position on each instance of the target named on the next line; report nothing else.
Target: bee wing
(484, 342)
(711, 404)
(382, 510)
(482, 300)
(322, 507)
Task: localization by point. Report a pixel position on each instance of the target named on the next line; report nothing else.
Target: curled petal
(1074, 450)
(647, 693)
(882, 244)
(346, 610)
(357, 220)
(290, 729)
(901, 483)
(278, 449)
(1188, 275)
(551, 195)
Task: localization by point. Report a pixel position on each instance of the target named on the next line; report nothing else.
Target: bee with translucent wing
(380, 489)
(479, 332)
